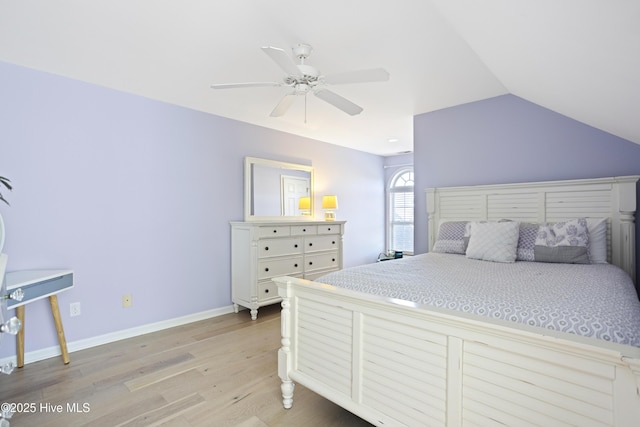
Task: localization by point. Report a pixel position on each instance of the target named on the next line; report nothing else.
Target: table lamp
(329, 203)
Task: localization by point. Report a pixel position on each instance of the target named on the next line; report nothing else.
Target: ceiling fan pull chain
(305, 108)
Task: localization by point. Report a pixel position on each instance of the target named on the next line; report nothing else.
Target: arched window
(400, 211)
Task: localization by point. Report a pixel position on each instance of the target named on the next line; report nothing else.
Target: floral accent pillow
(564, 242)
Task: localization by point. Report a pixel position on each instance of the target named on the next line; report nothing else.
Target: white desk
(38, 284)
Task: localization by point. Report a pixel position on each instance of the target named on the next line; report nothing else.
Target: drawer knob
(333, 259)
(17, 295)
(310, 262)
(310, 244)
(328, 228)
(266, 269)
(275, 231)
(266, 248)
(333, 242)
(304, 230)
(295, 246)
(266, 291)
(295, 265)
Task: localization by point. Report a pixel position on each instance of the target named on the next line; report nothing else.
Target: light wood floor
(216, 372)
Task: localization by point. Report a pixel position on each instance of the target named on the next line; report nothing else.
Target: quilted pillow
(563, 242)
(493, 241)
(527, 241)
(451, 238)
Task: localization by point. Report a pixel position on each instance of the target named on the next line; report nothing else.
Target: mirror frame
(248, 162)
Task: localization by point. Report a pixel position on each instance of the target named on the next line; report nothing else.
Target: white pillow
(597, 240)
(494, 241)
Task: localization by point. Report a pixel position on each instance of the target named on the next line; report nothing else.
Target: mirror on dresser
(272, 190)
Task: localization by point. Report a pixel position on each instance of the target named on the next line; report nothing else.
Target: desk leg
(55, 310)
(20, 336)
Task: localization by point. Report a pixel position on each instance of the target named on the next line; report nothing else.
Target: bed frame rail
(393, 363)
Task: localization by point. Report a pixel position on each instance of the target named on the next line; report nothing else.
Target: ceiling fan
(303, 79)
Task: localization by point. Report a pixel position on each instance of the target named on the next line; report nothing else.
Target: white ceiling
(580, 58)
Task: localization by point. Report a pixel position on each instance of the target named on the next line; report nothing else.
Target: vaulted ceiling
(580, 58)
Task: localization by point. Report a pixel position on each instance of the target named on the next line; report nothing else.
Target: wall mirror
(273, 189)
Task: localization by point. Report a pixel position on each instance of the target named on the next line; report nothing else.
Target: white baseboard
(46, 353)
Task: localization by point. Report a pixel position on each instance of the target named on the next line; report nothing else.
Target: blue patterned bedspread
(594, 300)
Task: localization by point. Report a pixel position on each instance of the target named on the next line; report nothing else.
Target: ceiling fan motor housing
(302, 84)
(308, 71)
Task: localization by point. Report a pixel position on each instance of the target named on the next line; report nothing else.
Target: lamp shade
(305, 203)
(329, 202)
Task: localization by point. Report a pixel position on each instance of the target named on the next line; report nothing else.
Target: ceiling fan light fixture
(301, 89)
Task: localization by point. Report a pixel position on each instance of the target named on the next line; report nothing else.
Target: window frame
(392, 188)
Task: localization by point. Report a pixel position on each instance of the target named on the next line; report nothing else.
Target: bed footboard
(392, 363)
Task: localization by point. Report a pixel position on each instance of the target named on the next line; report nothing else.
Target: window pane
(403, 180)
(402, 237)
(401, 207)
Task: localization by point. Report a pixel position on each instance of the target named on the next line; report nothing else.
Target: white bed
(397, 362)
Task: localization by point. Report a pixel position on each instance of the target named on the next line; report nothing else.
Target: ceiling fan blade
(359, 76)
(283, 105)
(241, 85)
(339, 102)
(283, 59)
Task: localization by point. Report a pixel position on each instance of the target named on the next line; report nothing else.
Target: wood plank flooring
(216, 372)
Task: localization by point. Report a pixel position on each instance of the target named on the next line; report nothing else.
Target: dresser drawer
(321, 261)
(330, 229)
(279, 267)
(274, 231)
(321, 243)
(267, 290)
(278, 247)
(302, 230)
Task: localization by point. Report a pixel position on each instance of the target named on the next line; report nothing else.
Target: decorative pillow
(527, 241)
(467, 232)
(597, 240)
(493, 241)
(562, 254)
(563, 242)
(451, 238)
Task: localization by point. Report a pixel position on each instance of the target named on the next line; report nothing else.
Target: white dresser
(263, 250)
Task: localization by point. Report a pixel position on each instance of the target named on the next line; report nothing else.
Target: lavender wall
(507, 139)
(136, 197)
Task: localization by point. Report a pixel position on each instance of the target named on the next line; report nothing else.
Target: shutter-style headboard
(551, 201)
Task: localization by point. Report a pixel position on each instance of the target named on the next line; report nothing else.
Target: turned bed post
(284, 354)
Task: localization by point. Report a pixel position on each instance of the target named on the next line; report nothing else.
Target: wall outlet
(74, 309)
(127, 301)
